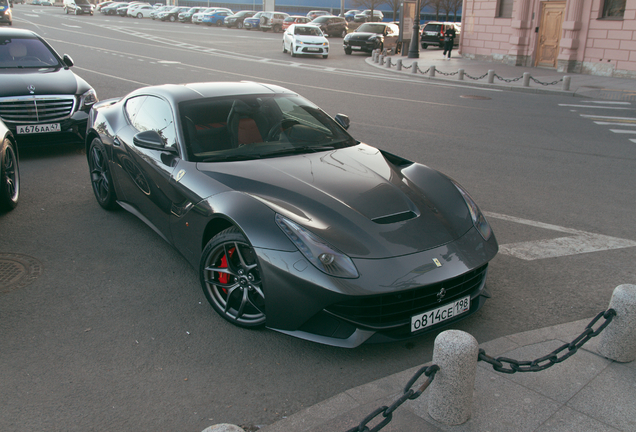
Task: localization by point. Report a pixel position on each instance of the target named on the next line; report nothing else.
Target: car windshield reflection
(255, 127)
(25, 53)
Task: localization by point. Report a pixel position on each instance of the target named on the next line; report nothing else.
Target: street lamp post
(414, 47)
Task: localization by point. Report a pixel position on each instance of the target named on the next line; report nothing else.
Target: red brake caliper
(224, 278)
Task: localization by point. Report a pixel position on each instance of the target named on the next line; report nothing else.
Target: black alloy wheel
(101, 179)
(231, 279)
(9, 177)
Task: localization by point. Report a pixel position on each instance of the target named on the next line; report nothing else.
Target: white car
(142, 11)
(305, 39)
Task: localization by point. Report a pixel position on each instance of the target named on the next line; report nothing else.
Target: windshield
(371, 28)
(25, 53)
(257, 126)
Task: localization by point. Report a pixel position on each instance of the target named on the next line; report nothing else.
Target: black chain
(476, 78)
(545, 84)
(508, 80)
(552, 358)
(409, 394)
(446, 74)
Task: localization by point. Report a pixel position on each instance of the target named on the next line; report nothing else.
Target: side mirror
(151, 139)
(343, 121)
(68, 61)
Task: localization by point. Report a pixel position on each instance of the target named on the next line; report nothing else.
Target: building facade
(596, 37)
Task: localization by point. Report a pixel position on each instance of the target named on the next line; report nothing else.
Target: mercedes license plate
(42, 128)
(440, 314)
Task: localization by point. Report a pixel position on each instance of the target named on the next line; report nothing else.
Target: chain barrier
(446, 74)
(545, 84)
(507, 80)
(409, 394)
(552, 358)
(476, 78)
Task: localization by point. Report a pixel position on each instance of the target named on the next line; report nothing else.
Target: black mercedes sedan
(291, 223)
(41, 99)
(370, 36)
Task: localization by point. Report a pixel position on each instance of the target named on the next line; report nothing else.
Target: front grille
(36, 109)
(393, 309)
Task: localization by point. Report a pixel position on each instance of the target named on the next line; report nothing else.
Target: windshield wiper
(230, 158)
(298, 150)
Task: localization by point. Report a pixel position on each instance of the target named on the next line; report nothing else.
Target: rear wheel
(140, 15)
(172, 18)
(231, 279)
(239, 25)
(9, 177)
(343, 33)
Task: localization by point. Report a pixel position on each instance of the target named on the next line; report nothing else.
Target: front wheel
(348, 51)
(292, 51)
(284, 49)
(101, 179)
(172, 18)
(239, 25)
(9, 177)
(324, 56)
(231, 279)
(424, 46)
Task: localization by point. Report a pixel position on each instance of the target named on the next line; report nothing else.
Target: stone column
(519, 52)
(569, 44)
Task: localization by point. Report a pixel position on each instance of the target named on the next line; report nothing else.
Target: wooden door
(549, 33)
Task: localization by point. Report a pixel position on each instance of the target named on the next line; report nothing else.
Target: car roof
(15, 32)
(178, 93)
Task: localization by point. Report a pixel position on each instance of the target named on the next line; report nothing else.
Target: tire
(9, 176)
(231, 279)
(239, 25)
(292, 51)
(284, 49)
(424, 46)
(140, 15)
(343, 33)
(172, 18)
(101, 179)
(324, 56)
(219, 23)
(66, 10)
(276, 29)
(347, 51)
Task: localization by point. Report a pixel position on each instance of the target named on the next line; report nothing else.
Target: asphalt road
(114, 333)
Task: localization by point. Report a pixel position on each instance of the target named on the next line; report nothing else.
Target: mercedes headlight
(87, 100)
(479, 220)
(324, 257)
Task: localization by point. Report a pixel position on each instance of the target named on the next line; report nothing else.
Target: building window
(505, 8)
(613, 8)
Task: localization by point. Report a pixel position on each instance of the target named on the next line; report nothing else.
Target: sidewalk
(586, 392)
(582, 85)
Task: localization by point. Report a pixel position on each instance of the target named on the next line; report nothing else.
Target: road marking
(608, 102)
(622, 119)
(614, 124)
(595, 107)
(578, 242)
(623, 131)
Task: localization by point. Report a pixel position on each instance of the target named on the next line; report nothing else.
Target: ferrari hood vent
(398, 217)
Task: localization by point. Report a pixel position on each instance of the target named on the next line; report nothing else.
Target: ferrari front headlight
(479, 220)
(324, 257)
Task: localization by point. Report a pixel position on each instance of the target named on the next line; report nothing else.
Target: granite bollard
(618, 340)
(451, 392)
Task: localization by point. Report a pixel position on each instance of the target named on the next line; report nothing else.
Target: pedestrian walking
(449, 40)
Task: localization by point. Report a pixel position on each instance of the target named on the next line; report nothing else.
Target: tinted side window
(132, 107)
(155, 114)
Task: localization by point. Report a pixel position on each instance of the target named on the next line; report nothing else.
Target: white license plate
(312, 49)
(440, 314)
(356, 47)
(34, 129)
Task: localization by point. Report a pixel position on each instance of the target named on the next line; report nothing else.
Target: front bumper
(377, 306)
